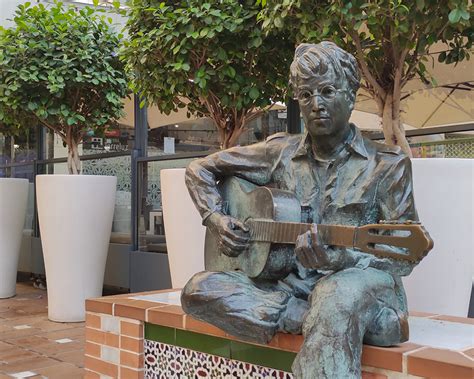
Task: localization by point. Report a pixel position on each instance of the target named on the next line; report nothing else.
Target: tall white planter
(75, 215)
(444, 197)
(183, 228)
(13, 202)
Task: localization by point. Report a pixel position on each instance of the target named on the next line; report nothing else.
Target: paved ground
(33, 347)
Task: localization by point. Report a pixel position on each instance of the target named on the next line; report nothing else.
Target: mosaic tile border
(164, 361)
(221, 347)
(378, 362)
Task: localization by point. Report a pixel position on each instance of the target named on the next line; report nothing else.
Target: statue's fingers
(315, 238)
(304, 239)
(240, 225)
(229, 251)
(310, 259)
(232, 244)
(304, 252)
(321, 254)
(303, 242)
(300, 240)
(234, 235)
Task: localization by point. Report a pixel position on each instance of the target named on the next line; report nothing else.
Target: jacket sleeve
(253, 163)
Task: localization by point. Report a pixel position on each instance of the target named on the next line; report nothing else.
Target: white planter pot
(183, 228)
(75, 215)
(444, 197)
(13, 202)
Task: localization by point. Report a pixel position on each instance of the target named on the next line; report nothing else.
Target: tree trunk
(234, 137)
(73, 161)
(392, 126)
(221, 130)
(50, 155)
(230, 134)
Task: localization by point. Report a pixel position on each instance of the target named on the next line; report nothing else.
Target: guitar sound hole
(390, 232)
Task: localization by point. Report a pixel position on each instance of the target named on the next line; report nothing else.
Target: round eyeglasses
(327, 92)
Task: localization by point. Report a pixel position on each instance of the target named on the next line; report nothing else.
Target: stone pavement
(31, 346)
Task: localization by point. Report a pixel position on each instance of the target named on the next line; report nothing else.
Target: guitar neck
(288, 232)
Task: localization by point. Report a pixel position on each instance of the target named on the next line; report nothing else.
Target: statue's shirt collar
(355, 143)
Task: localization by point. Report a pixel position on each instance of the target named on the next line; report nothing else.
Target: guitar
(273, 217)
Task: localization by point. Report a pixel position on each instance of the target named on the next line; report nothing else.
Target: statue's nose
(318, 104)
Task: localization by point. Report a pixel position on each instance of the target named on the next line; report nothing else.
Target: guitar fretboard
(288, 232)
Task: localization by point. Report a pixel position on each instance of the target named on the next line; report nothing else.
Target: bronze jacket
(366, 183)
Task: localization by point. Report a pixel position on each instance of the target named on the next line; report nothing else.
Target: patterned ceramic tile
(163, 361)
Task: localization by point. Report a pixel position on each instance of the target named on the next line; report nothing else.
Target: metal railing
(39, 167)
(447, 148)
(139, 167)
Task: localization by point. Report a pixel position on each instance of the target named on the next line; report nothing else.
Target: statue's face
(325, 104)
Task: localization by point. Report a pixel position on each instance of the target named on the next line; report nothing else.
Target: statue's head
(325, 80)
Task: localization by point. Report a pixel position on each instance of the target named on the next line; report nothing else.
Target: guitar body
(244, 201)
(274, 219)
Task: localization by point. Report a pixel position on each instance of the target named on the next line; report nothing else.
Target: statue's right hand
(232, 234)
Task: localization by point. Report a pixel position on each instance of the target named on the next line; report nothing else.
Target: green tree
(391, 40)
(59, 68)
(210, 56)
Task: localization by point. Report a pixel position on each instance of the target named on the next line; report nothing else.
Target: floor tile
(31, 364)
(35, 348)
(12, 333)
(21, 327)
(54, 348)
(16, 354)
(74, 357)
(23, 374)
(63, 340)
(61, 371)
(66, 333)
(49, 326)
(5, 346)
(27, 342)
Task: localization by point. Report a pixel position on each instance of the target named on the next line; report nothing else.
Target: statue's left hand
(310, 251)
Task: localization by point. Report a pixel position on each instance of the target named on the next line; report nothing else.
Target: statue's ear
(351, 101)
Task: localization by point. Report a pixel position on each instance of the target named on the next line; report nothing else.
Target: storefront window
(201, 135)
(18, 149)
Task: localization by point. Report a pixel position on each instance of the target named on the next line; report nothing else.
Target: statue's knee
(388, 328)
(191, 290)
(338, 299)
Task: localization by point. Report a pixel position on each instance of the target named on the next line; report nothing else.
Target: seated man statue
(336, 297)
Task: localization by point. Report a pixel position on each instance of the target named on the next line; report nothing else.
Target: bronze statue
(338, 297)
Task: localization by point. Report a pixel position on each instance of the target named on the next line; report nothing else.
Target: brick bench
(148, 335)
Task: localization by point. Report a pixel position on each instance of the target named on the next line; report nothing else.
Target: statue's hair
(311, 59)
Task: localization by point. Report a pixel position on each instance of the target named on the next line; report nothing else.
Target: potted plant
(209, 56)
(13, 204)
(394, 43)
(58, 65)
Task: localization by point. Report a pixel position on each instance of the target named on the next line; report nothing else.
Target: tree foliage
(390, 38)
(59, 68)
(210, 56)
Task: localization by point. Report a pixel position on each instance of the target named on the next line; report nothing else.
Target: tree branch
(414, 59)
(76, 99)
(363, 65)
(253, 114)
(55, 129)
(397, 79)
(411, 66)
